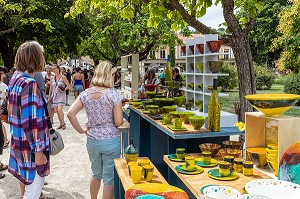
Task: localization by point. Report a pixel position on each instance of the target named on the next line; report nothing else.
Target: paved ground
(70, 170)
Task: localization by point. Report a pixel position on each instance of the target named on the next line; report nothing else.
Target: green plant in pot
(185, 116)
(197, 121)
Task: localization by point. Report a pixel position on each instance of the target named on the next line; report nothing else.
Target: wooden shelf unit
(130, 85)
(262, 130)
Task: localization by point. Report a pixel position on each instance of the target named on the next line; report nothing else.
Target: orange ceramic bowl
(226, 151)
(232, 144)
(213, 148)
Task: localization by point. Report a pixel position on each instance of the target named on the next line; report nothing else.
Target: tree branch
(101, 53)
(17, 22)
(144, 53)
(233, 23)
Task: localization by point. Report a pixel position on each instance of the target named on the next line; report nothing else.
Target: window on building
(152, 54)
(226, 53)
(163, 54)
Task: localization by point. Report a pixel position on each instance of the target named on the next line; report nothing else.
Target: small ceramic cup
(180, 153)
(130, 164)
(189, 162)
(248, 168)
(230, 159)
(206, 157)
(238, 165)
(224, 168)
(136, 174)
(148, 172)
(178, 123)
(144, 162)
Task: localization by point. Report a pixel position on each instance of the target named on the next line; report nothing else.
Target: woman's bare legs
(94, 187)
(60, 115)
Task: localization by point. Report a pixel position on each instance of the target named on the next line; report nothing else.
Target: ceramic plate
(173, 128)
(146, 111)
(252, 196)
(273, 188)
(214, 173)
(199, 162)
(190, 170)
(174, 158)
(180, 170)
(222, 192)
(166, 123)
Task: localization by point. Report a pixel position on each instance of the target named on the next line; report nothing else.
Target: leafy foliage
(264, 78)
(228, 82)
(289, 27)
(292, 85)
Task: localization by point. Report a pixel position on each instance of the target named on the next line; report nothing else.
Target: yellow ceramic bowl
(272, 104)
(273, 166)
(272, 155)
(257, 156)
(272, 146)
(270, 151)
(272, 159)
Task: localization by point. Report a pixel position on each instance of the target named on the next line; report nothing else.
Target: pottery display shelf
(129, 81)
(122, 180)
(155, 140)
(194, 183)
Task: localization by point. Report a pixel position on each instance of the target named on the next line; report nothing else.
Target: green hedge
(264, 78)
(292, 84)
(231, 81)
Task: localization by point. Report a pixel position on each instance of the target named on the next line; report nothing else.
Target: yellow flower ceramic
(240, 125)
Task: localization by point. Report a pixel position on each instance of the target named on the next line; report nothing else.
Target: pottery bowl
(168, 109)
(151, 94)
(179, 101)
(214, 46)
(200, 67)
(273, 165)
(160, 96)
(215, 66)
(136, 104)
(200, 86)
(185, 116)
(197, 121)
(175, 114)
(191, 86)
(257, 156)
(146, 102)
(163, 101)
(217, 192)
(200, 48)
(213, 148)
(272, 146)
(134, 100)
(167, 118)
(226, 151)
(219, 88)
(232, 144)
(272, 104)
(153, 111)
(270, 151)
(149, 107)
(150, 87)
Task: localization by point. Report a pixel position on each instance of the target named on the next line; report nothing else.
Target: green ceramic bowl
(151, 94)
(174, 114)
(160, 96)
(167, 118)
(134, 100)
(153, 111)
(197, 121)
(185, 116)
(145, 103)
(200, 86)
(200, 67)
(215, 66)
(219, 88)
(168, 109)
(149, 107)
(191, 86)
(179, 101)
(163, 101)
(136, 104)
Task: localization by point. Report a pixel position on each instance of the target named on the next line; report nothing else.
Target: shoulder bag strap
(46, 110)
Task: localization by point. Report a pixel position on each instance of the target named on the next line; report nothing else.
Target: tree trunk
(7, 50)
(243, 58)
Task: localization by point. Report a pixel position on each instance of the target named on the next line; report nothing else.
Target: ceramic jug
(131, 152)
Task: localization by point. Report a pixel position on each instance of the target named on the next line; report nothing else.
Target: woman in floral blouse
(29, 153)
(103, 105)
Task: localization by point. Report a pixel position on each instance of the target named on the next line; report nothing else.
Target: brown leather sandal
(63, 127)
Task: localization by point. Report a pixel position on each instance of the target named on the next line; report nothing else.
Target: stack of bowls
(272, 157)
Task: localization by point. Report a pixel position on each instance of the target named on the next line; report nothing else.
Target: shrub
(264, 78)
(292, 84)
(231, 81)
(281, 79)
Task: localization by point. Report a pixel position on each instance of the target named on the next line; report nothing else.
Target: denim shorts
(102, 154)
(78, 88)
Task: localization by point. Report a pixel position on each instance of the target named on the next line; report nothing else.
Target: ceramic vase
(131, 152)
(214, 109)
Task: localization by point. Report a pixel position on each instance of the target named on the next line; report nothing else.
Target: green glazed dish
(185, 116)
(174, 114)
(149, 107)
(197, 121)
(151, 94)
(163, 101)
(179, 101)
(168, 109)
(145, 103)
(136, 104)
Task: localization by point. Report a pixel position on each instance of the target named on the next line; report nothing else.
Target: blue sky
(213, 16)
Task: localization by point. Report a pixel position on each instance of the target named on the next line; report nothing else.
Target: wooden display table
(194, 183)
(122, 180)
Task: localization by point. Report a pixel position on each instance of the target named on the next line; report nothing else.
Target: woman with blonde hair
(29, 153)
(103, 105)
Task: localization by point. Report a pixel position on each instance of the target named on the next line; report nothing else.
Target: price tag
(126, 106)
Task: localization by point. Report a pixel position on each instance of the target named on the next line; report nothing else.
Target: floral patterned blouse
(100, 121)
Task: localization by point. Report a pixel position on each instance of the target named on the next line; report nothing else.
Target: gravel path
(70, 170)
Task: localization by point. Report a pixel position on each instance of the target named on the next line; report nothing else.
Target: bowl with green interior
(175, 114)
(149, 107)
(185, 116)
(151, 94)
(160, 96)
(146, 102)
(168, 109)
(179, 101)
(136, 104)
(163, 101)
(215, 66)
(197, 121)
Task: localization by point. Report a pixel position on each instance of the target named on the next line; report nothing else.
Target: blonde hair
(103, 75)
(29, 57)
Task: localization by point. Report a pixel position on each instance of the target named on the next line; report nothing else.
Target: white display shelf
(129, 82)
(204, 77)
